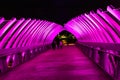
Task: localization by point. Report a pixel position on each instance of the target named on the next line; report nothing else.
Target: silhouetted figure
(58, 42)
(53, 44)
(61, 44)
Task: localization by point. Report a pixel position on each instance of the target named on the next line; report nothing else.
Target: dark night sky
(59, 11)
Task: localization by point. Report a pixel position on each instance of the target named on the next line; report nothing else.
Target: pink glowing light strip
(75, 27)
(2, 19)
(44, 26)
(11, 42)
(48, 30)
(29, 35)
(106, 26)
(19, 31)
(88, 28)
(18, 39)
(103, 14)
(78, 27)
(68, 28)
(114, 12)
(38, 33)
(112, 22)
(95, 38)
(10, 33)
(36, 28)
(43, 31)
(7, 26)
(54, 33)
(99, 20)
(101, 30)
(24, 32)
(83, 27)
(101, 39)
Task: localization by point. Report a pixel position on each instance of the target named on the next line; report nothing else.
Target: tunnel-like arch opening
(66, 38)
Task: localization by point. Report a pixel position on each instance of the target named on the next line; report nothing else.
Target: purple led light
(34, 32)
(2, 19)
(90, 27)
(47, 31)
(103, 28)
(42, 31)
(57, 29)
(114, 12)
(7, 26)
(106, 17)
(23, 26)
(44, 26)
(111, 21)
(8, 58)
(11, 42)
(28, 34)
(10, 32)
(95, 36)
(90, 30)
(38, 34)
(94, 27)
(30, 38)
(97, 28)
(100, 30)
(69, 29)
(54, 33)
(24, 32)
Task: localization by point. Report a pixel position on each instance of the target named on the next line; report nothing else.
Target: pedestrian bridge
(26, 53)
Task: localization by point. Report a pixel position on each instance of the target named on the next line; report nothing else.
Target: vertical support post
(3, 64)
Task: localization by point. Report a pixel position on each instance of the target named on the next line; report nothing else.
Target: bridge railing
(105, 55)
(10, 58)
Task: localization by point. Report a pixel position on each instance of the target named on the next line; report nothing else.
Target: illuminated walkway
(68, 63)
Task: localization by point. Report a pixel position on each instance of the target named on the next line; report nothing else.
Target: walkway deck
(68, 63)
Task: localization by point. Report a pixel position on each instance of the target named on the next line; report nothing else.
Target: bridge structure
(98, 41)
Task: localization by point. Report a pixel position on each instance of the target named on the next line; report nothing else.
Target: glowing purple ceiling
(26, 32)
(100, 26)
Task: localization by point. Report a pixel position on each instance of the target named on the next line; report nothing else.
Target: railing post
(31, 53)
(3, 64)
(117, 70)
(96, 56)
(90, 53)
(17, 59)
(28, 55)
(101, 60)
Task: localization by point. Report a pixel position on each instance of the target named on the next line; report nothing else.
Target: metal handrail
(104, 47)
(5, 52)
(104, 55)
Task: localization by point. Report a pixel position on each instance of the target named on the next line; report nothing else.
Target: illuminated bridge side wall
(100, 26)
(26, 32)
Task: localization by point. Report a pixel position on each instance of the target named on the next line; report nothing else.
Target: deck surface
(68, 63)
